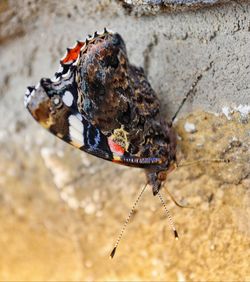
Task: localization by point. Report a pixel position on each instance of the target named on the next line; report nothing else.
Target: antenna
(127, 221)
(191, 90)
(175, 202)
(204, 161)
(188, 164)
(170, 220)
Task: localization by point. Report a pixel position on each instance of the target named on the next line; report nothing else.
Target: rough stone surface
(144, 7)
(56, 229)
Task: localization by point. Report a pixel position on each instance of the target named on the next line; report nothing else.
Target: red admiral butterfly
(103, 105)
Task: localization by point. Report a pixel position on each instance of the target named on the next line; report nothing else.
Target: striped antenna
(170, 220)
(203, 161)
(127, 221)
(191, 91)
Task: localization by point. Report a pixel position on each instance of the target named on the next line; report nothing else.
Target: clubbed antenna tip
(176, 235)
(169, 217)
(127, 221)
(112, 254)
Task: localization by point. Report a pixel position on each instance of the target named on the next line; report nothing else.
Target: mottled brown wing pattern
(105, 106)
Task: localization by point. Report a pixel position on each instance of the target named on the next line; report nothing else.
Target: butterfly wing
(116, 97)
(52, 109)
(101, 104)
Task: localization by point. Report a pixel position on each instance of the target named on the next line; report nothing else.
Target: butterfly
(103, 105)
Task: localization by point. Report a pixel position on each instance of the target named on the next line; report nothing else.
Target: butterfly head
(166, 150)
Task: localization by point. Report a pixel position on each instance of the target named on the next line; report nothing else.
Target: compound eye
(162, 175)
(57, 101)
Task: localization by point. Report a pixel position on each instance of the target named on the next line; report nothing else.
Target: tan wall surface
(52, 231)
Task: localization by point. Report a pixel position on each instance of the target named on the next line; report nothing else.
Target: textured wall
(145, 7)
(50, 230)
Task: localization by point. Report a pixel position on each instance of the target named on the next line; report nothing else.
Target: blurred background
(53, 228)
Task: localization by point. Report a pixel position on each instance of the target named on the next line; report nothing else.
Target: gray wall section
(173, 48)
(145, 7)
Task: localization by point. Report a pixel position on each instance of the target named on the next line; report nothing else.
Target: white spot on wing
(68, 98)
(76, 136)
(76, 123)
(76, 130)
